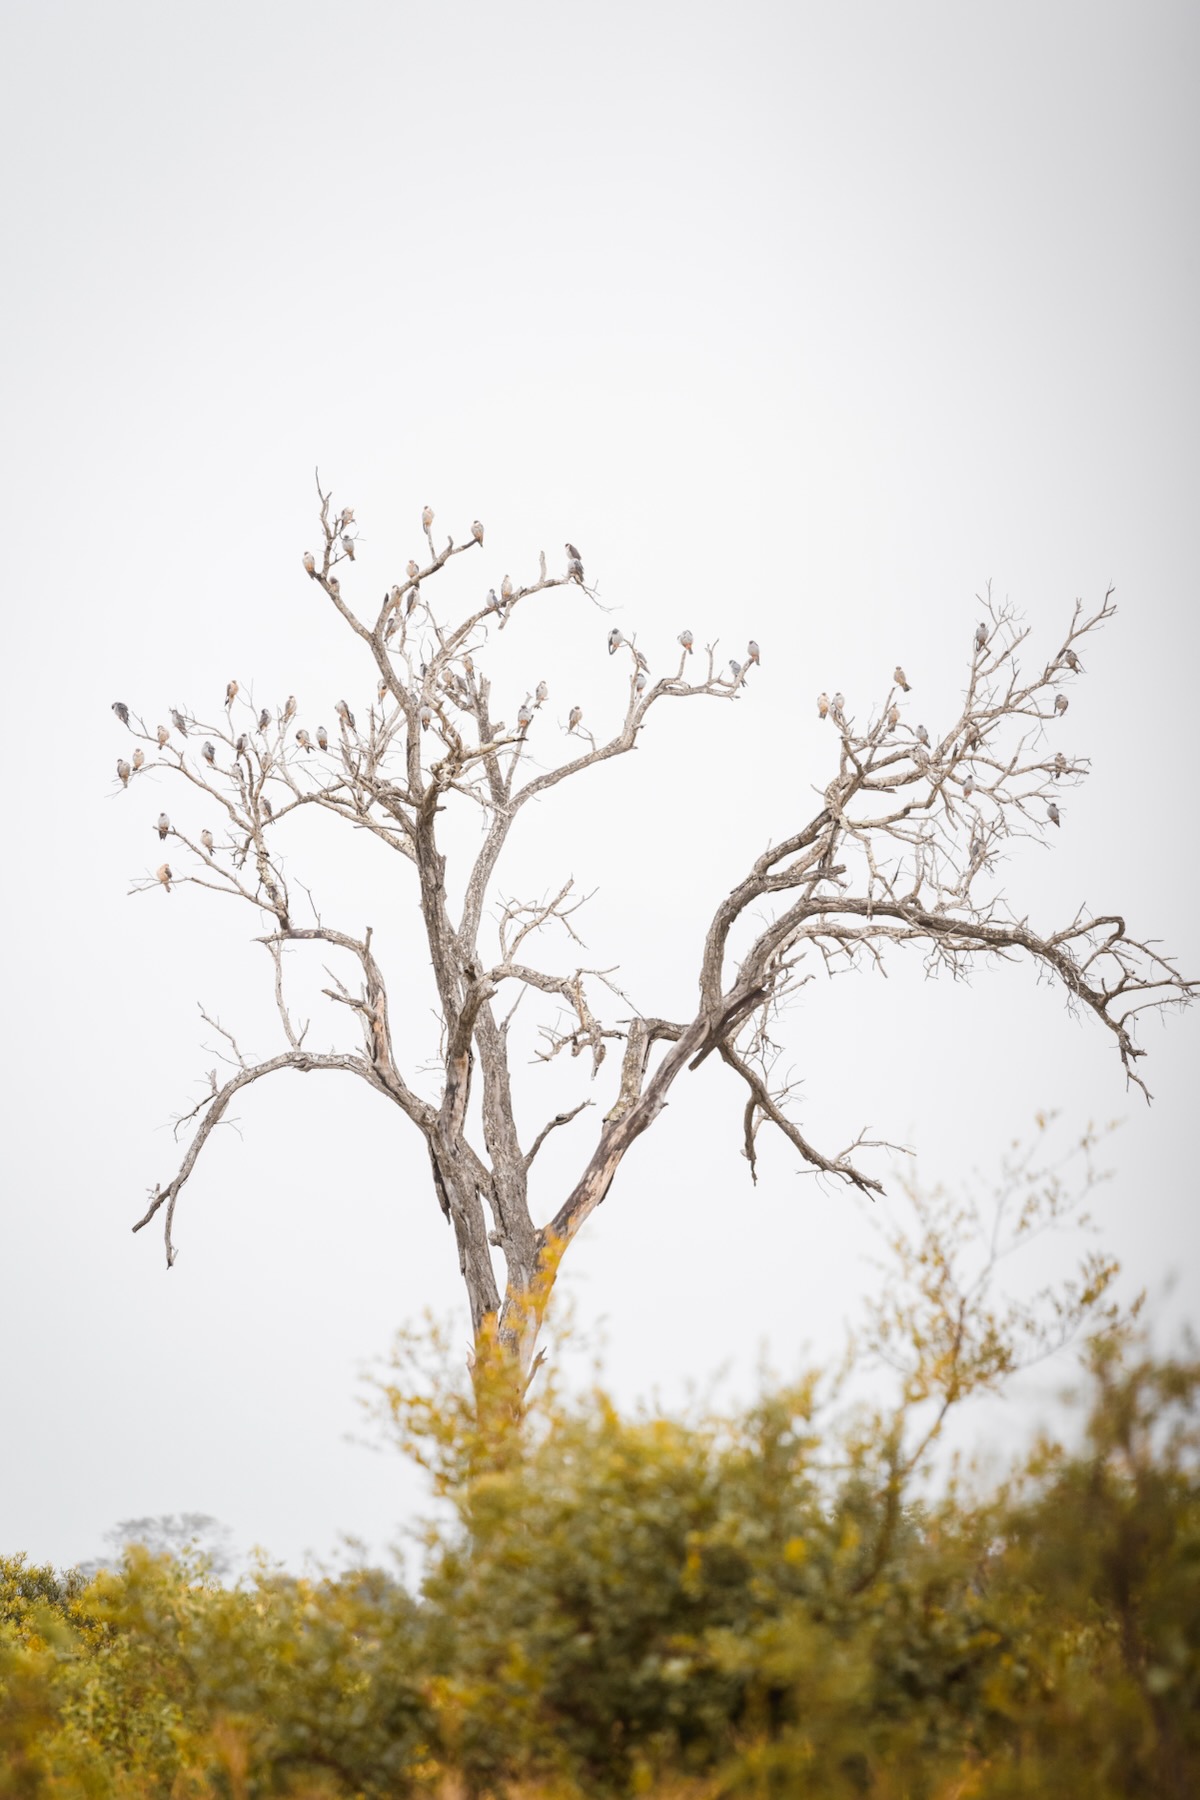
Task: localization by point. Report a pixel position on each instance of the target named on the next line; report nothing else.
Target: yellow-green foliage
(773, 1603)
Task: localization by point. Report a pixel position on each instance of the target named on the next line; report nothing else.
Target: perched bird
(162, 734)
(639, 682)
(752, 653)
(209, 753)
(427, 516)
(139, 757)
(574, 564)
(687, 640)
(347, 517)
(981, 635)
(303, 739)
(493, 601)
(968, 785)
(524, 717)
(574, 717)
(900, 678)
(335, 586)
(344, 714)
(1072, 661)
(822, 706)
(264, 720)
(736, 667)
(289, 710)
(310, 563)
(347, 546)
(506, 590)
(123, 771)
(542, 693)
(163, 873)
(231, 690)
(978, 849)
(242, 745)
(1052, 813)
(1060, 765)
(922, 736)
(477, 531)
(837, 706)
(122, 711)
(179, 722)
(164, 825)
(322, 738)
(893, 715)
(206, 838)
(615, 640)
(395, 596)
(469, 665)
(382, 690)
(1061, 704)
(426, 716)
(267, 807)
(412, 569)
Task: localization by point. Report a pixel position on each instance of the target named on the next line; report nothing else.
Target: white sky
(800, 320)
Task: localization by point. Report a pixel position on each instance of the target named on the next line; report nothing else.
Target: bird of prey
(303, 739)
(1072, 661)
(344, 714)
(615, 640)
(310, 562)
(477, 531)
(322, 738)
(426, 716)
(206, 838)
(395, 596)
(822, 705)
(382, 690)
(469, 664)
(209, 753)
(267, 807)
(427, 516)
(968, 785)
(574, 717)
(506, 590)
(162, 735)
(1052, 813)
(837, 705)
(347, 546)
(922, 736)
(542, 693)
(240, 748)
(289, 710)
(1061, 704)
(573, 553)
(524, 717)
(687, 640)
(164, 825)
(751, 653)
(139, 757)
(639, 682)
(900, 678)
(347, 517)
(981, 635)
(1060, 765)
(123, 771)
(231, 690)
(122, 711)
(893, 715)
(179, 722)
(493, 602)
(736, 667)
(163, 874)
(574, 564)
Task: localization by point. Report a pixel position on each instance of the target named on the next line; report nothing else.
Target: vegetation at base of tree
(781, 1600)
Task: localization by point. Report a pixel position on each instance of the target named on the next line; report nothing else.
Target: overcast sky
(801, 321)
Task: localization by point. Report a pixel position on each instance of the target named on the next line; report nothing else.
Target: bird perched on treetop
(179, 722)
(121, 710)
(164, 825)
(1072, 661)
(139, 757)
(162, 735)
(310, 562)
(477, 531)
(542, 693)
(1060, 765)
(231, 690)
(427, 516)
(163, 874)
(426, 716)
(123, 771)
(639, 682)
(574, 717)
(524, 717)
(752, 652)
(412, 569)
(506, 589)
(968, 785)
(242, 745)
(900, 678)
(206, 838)
(574, 564)
(289, 710)
(303, 739)
(615, 640)
(981, 635)
(347, 545)
(893, 715)
(822, 705)
(322, 738)
(837, 706)
(922, 736)
(736, 667)
(344, 714)
(209, 753)
(1052, 813)
(264, 720)
(1061, 704)
(687, 640)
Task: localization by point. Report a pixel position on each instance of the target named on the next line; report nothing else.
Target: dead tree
(900, 851)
